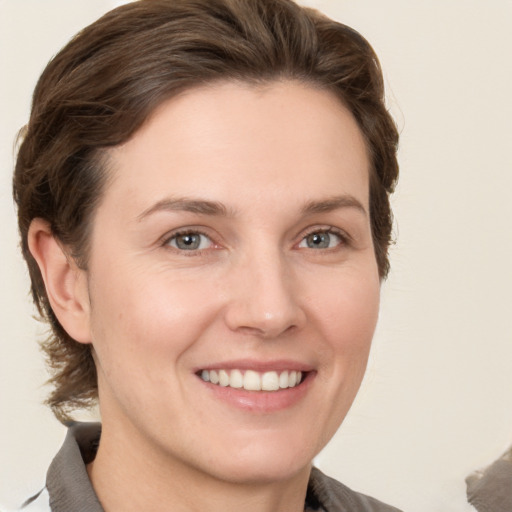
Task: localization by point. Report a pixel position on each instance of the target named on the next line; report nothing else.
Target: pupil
(319, 240)
(188, 241)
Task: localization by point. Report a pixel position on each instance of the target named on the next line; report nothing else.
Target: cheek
(147, 321)
(347, 315)
(348, 312)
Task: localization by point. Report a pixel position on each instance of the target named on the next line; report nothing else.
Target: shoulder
(68, 487)
(336, 497)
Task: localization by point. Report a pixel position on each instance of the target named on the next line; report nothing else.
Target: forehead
(229, 141)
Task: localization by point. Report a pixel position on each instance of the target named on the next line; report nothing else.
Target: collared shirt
(68, 488)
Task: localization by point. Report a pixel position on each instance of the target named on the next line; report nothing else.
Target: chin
(264, 472)
(263, 463)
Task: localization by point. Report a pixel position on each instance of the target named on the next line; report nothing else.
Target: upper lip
(258, 365)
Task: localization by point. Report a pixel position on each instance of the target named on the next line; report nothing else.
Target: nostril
(267, 332)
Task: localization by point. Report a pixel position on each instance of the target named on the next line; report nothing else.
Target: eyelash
(344, 238)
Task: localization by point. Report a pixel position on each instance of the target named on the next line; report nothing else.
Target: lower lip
(262, 401)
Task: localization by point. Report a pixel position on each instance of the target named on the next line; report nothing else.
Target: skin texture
(255, 170)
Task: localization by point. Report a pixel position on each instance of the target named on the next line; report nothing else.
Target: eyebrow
(214, 208)
(333, 203)
(199, 206)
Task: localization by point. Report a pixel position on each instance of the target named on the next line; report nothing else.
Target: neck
(129, 474)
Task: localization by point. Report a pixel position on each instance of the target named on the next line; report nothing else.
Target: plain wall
(436, 403)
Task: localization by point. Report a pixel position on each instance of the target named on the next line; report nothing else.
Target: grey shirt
(490, 490)
(70, 490)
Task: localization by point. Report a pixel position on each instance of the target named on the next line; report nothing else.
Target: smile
(251, 380)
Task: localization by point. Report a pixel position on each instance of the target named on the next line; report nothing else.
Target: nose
(264, 297)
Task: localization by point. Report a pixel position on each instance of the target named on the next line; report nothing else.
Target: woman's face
(233, 242)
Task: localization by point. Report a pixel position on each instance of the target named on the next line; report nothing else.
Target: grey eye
(320, 240)
(190, 241)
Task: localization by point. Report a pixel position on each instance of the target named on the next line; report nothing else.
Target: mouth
(251, 380)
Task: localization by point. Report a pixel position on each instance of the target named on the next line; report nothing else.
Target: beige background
(437, 399)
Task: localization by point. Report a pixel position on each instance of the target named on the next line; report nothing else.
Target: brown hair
(98, 91)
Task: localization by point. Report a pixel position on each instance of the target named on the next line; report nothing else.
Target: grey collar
(67, 480)
(71, 490)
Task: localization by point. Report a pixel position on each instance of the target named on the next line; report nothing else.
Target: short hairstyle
(106, 82)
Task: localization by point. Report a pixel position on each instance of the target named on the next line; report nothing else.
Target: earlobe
(66, 284)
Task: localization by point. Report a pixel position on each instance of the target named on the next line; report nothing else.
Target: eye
(190, 241)
(321, 240)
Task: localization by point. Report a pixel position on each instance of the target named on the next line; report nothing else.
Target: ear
(66, 284)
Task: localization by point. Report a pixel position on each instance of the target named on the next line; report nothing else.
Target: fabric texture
(490, 490)
(70, 490)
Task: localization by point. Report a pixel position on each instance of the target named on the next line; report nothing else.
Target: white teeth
(252, 380)
(223, 378)
(270, 381)
(214, 377)
(237, 379)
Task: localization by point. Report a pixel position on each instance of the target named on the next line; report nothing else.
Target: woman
(203, 203)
